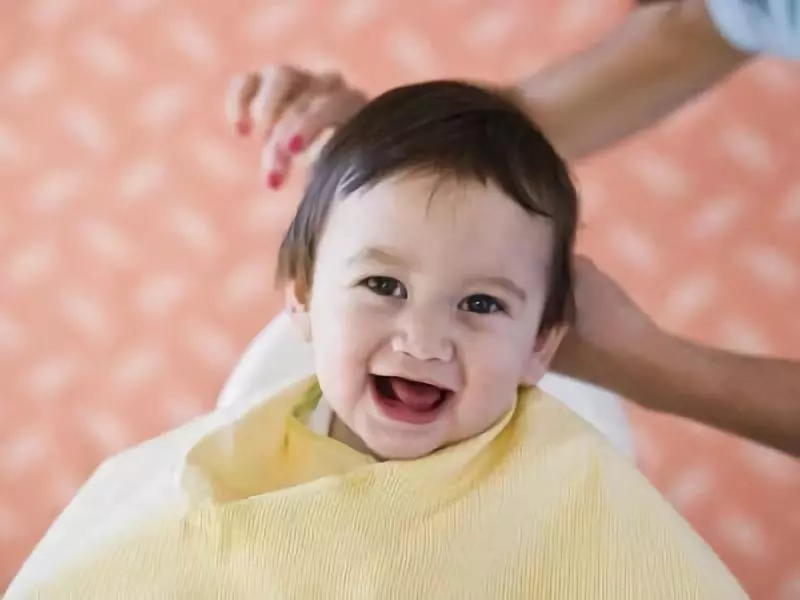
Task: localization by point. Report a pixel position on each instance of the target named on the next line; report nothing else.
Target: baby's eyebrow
(502, 282)
(376, 255)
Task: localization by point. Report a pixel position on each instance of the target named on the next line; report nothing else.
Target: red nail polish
(296, 144)
(274, 180)
(243, 127)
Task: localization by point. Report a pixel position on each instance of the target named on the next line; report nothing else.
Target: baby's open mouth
(407, 400)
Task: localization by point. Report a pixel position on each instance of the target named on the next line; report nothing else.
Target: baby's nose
(425, 337)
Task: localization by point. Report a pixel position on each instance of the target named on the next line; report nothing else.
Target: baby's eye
(482, 304)
(386, 286)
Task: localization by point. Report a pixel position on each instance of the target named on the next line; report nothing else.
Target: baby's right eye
(386, 286)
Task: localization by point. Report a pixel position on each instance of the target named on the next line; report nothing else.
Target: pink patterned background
(137, 242)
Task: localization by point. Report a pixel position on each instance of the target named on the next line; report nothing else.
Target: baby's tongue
(416, 395)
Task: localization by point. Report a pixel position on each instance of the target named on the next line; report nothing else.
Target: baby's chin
(379, 444)
(393, 451)
(399, 447)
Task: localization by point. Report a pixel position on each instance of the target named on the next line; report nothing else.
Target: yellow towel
(259, 506)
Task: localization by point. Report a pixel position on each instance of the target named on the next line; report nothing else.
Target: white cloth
(321, 419)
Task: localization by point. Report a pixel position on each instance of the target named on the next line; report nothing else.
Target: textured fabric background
(137, 242)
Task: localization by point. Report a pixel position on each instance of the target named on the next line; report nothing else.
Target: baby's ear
(297, 301)
(544, 349)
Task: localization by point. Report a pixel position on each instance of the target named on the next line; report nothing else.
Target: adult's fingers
(279, 87)
(301, 128)
(290, 109)
(276, 162)
(240, 94)
(314, 113)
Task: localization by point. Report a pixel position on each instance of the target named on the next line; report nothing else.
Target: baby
(429, 266)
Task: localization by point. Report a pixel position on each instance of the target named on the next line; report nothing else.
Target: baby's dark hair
(453, 129)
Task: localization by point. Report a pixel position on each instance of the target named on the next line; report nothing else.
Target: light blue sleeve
(768, 26)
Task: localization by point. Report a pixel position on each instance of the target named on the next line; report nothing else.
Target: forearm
(757, 398)
(662, 55)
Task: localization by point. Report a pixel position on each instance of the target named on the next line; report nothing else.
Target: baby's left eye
(481, 304)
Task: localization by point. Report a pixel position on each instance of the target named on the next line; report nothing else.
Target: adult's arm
(615, 345)
(754, 397)
(662, 55)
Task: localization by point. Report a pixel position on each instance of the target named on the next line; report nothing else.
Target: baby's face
(425, 309)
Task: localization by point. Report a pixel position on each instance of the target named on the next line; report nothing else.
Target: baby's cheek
(341, 356)
(339, 382)
(497, 358)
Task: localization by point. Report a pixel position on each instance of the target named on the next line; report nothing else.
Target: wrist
(651, 370)
(638, 367)
(668, 373)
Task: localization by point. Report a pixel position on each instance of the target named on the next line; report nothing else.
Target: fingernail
(243, 127)
(296, 144)
(274, 180)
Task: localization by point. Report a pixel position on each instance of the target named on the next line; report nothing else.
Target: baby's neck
(340, 432)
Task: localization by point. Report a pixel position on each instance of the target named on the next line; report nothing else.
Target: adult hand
(616, 346)
(609, 326)
(289, 109)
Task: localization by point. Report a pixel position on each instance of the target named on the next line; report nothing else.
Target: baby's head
(429, 265)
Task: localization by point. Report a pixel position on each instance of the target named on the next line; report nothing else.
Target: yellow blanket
(256, 505)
